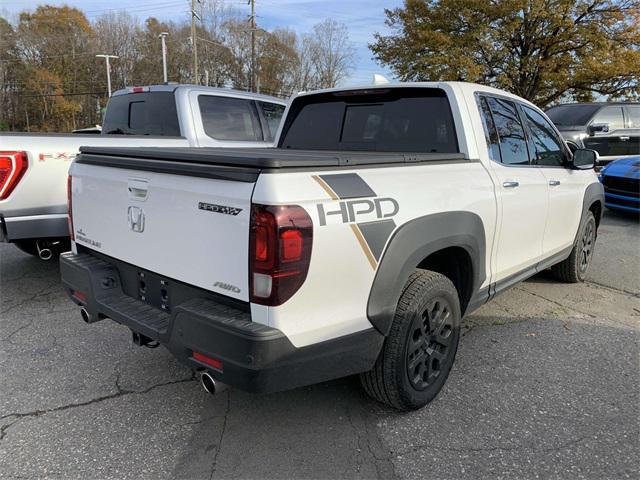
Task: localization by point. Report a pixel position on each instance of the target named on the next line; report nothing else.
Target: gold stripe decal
(325, 187)
(354, 227)
(364, 245)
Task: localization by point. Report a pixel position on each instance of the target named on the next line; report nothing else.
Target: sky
(362, 17)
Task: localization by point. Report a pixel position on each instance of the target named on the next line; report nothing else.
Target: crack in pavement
(522, 289)
(120, 393)
(48, 290)
(608, 287)
(224, 427)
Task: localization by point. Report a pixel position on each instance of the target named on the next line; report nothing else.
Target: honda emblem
(136, 219)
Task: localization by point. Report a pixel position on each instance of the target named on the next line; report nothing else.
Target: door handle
(510, 184)
(554, 183)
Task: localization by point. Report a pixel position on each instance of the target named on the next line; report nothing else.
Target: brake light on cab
(13, 166)
(280, 244)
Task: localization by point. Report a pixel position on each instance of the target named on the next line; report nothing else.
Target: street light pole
(107, 57)
(164, 55)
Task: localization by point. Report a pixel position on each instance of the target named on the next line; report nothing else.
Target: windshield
(572, 114)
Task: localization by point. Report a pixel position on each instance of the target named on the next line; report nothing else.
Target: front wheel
(419, 351)
(574, 268)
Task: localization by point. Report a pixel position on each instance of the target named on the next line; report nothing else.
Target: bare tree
(331, 52)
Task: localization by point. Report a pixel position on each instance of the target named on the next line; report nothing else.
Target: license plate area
(154, 290)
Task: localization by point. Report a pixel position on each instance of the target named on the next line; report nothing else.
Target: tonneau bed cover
(260, 158)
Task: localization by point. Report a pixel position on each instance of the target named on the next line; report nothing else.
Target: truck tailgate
(193, 229)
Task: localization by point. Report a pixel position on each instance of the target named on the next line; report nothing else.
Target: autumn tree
(542, 50)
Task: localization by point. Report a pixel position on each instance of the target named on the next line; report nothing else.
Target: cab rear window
(384, 120)
(149, 113)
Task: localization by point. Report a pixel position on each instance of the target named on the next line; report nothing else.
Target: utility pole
(253, 45)
(107, 57)
(164, 56)
(194, 45)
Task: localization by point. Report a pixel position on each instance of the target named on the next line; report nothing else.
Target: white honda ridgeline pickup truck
(34, 166)
(356, 246)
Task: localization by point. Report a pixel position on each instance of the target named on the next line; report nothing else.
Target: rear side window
(384, 120)
(513, 144)
(634, 116)
(612, 116)
(272, 114)
(234, 119)
(149, 113)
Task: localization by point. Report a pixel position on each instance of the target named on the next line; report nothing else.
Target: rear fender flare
(409, 245)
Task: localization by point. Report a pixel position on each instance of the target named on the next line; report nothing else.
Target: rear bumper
(254, 357)
(34, 227)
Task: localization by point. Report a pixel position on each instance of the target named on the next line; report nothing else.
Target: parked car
(621, 180)
(611, 129)
(355, 246)
(33, 166)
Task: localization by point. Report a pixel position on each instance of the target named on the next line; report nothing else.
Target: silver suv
(611, 129)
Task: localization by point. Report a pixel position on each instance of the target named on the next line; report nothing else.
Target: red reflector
(212, 362)
(291, 244)
(13, 166)
(79, 296)
(262, 243)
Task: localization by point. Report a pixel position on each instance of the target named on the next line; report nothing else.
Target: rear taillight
(13, 166)
(280, 251)
(69, 209)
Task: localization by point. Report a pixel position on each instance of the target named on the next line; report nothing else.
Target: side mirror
(598, 128)
(585, 159)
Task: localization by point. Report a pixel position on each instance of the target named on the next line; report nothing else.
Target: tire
(575, 267)
(419, 351)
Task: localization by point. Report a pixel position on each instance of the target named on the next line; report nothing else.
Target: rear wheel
(419, 351)
(574, 268)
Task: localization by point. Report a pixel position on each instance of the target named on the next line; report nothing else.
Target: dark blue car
(621, 180)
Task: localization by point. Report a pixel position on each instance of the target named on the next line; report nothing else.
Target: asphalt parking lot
(546, 385)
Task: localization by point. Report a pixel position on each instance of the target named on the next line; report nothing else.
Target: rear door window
(148, 113)
(232, 119)
(513, 144)
(384, 120)
(490, 132)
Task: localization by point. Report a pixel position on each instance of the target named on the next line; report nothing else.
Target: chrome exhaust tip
(44, 253)
(85, 315)
(210, 385)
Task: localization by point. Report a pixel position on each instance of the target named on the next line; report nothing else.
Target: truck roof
(171, 87)
(465, 86)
